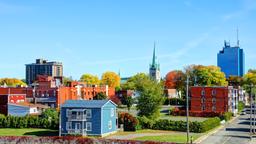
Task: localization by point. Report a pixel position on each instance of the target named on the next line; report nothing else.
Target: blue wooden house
(88, 117)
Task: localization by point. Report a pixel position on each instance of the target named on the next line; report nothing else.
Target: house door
(77, 127)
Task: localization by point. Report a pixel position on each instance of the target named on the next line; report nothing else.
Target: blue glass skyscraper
(231, 60)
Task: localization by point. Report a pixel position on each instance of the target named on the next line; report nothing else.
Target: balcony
(77, 118)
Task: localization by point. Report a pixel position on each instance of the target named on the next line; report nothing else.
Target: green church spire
(154, 56)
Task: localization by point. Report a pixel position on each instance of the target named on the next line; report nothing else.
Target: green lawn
(27, 132)
(175, 138)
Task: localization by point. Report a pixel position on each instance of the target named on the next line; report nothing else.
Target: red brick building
(213, 99)
(49, 92)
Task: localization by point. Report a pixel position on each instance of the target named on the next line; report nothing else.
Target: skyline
(98, 36)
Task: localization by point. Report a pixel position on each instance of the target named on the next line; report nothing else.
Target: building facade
(213, 99)
(88, 118)
(231, 60)
(154, 68)
(42, 67)
(48, 92)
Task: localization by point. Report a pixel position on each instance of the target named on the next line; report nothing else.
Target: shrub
(210, 124)
(227, 116)
(145, 122)
(196, 127)
(241, 106)
(129, 121)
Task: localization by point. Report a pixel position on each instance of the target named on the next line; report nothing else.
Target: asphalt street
(235, 132)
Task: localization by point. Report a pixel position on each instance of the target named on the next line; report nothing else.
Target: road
(236, 132)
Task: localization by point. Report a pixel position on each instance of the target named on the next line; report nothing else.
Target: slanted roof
(86, 103)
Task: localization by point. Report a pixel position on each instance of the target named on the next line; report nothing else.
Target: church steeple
(154, 69)
(154, 56)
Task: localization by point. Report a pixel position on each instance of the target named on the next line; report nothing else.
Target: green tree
(90, 79)
(134, 82)
(206, 75)
(150, 99)
(100, 96)
(111, 79)
(66, 80)
(128, 101)
(50, 117)
(12, 82)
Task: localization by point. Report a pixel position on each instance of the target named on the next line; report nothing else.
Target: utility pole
(187, 107)
(59, 97)
(251, 103)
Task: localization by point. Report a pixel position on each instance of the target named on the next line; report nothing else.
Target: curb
(202, 138)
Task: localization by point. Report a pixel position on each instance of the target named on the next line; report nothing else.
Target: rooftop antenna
(237, 36)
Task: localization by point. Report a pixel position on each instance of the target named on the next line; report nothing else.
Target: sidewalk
(202, 138)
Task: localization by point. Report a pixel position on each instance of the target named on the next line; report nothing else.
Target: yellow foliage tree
(90, 79)
(12, 82)
(111, 79)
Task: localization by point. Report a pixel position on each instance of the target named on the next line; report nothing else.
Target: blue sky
(94, 36)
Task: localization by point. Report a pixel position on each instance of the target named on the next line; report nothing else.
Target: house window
(88, 126)
(78, 126)
(110, 124)
(68, 113)
(203, 108)
(68, 125)
(112, 112)
(202, 100)
(203, 92)
(213, 92)
(214, 108)
(89, 113)
(213, 100)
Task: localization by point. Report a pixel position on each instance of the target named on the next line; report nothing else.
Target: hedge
(195, 126)
(177, 112)
(28, 122)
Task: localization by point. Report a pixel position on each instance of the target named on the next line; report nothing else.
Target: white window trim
(112, 112)
(68, 112)
(67, 125)
(89, 112)
(88, 123)
(110, 124)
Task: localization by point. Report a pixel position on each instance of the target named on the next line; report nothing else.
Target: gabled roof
(86, 103)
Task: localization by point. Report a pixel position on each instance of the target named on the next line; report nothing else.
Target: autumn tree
(206, 75)
(235, 81)
(90, 79)
(111, 79)
(12, 82)
(250, 81)
(175, 80)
